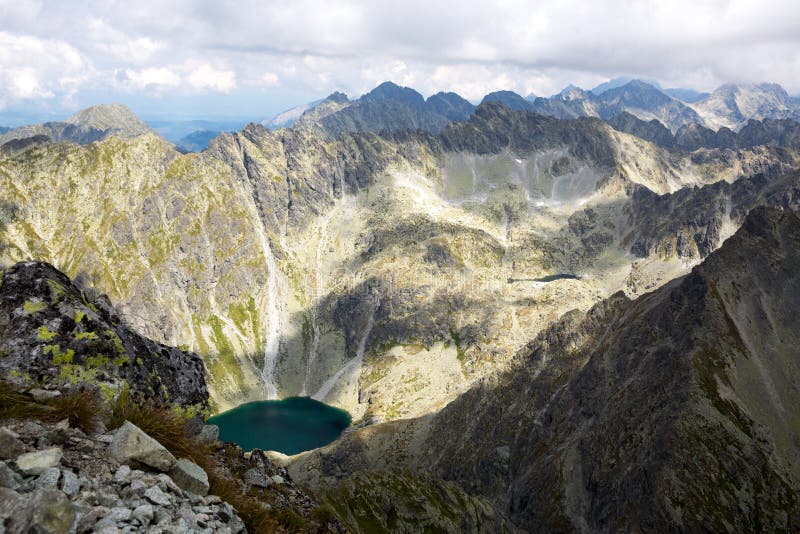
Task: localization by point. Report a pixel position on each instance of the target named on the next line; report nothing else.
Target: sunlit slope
(381, 273)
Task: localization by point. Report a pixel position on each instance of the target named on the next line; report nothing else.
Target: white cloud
(317, 46)
(157, 79)
(121, 46)
(34, 68)
(206, 77)
(269, 79)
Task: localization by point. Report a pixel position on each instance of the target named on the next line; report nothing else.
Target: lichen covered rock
(52, 333)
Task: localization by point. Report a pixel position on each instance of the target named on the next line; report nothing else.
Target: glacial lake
(291, 425)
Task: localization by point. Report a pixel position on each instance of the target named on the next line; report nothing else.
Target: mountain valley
(541, 314)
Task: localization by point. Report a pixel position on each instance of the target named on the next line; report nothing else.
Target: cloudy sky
(254, 58)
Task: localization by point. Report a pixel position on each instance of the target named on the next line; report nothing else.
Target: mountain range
(729, 106)
(600, 279)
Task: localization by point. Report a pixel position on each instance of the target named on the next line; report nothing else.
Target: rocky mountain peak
(104, 117)
(392, 91)
(508, 98)
(337, 97)
(635, 93)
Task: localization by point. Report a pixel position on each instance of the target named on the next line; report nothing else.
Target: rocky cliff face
(691, 137)
(53, 335)
(298, 263)
(667, 412)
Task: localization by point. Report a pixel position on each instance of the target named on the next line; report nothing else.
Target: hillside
(294, 263)
(670, 411)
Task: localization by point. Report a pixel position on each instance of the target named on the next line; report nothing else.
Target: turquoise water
(289, 426)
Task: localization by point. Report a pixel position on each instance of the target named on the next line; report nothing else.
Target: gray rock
(15, 511)
(190, 477)
(49, 478)
(122, 474)
(37, 462)
(132, 445)
(144, 514)
(10, 445)
(105, 438)
(257, 477)
(53, 513)
(70, 484)
(209, 434)
(277, 479)
(90, 518)
(156, 496)
(119, 514)
(167, 484)
(8, 477)
(134, 491)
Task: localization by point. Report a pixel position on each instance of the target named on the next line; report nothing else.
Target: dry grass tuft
(80, 407)
(17, 405)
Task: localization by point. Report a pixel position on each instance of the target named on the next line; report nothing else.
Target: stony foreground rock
(80, 488)
(132, 446)
(189, 477)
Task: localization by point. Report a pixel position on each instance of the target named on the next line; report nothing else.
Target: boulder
(37, 462)
(144, 514)
(53, 513)
(10, 445)
(132, 445)
(70, 484)
(190, 477)
(49, 478)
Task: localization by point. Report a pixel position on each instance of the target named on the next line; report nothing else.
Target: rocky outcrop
(652, 130)
(694, 136)
(616, 419)
(691, 223)
(395, 502)
(51, 333)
